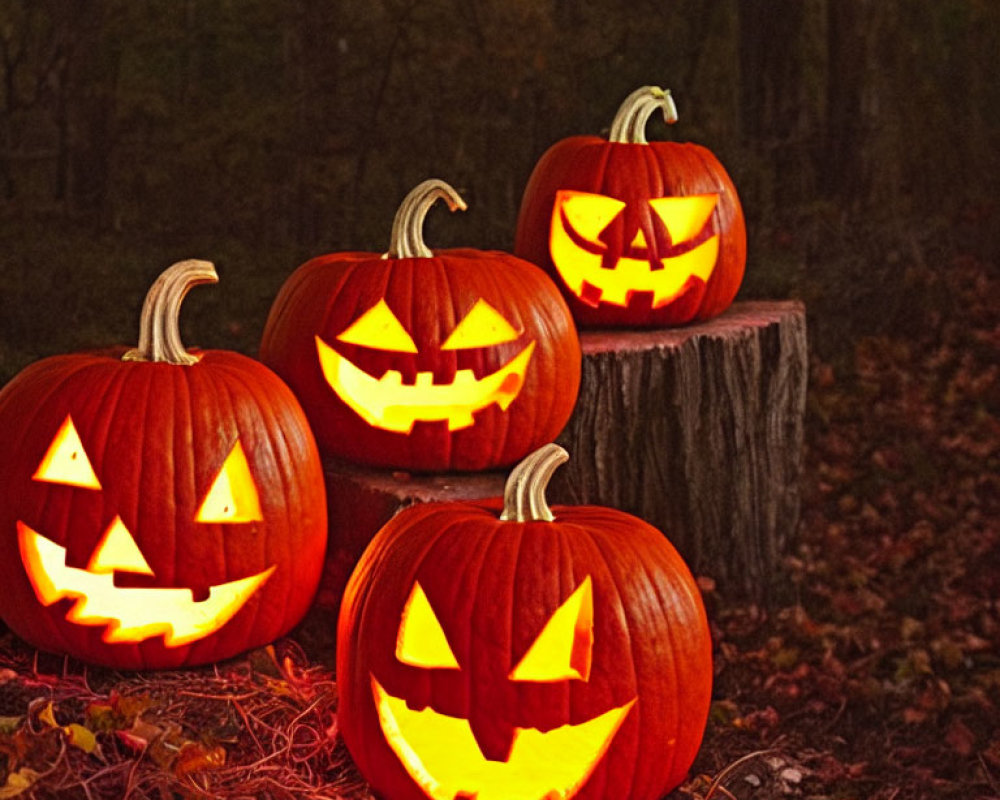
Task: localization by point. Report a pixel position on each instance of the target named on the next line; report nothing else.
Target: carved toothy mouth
(441, 754)
(582, 267)
(389, 404)
(131, 614)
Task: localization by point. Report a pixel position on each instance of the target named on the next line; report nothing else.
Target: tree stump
(698, 430)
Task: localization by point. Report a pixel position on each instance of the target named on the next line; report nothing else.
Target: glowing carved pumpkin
(460, 359)
(159, 507)
(635, 233)
(520, 653)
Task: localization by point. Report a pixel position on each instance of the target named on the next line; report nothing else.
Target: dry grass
(263, 726)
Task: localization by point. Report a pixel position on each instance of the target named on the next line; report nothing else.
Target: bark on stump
(697, 430)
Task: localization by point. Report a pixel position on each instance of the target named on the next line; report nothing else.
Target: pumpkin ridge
(278, 448)
(499, 440)
(263, 556)
(712, 166)
(410, 578)
(470, 668)
(238, 539)
(639, 708)
(665, 607)
(349, 277)
(497, 539)
(444, 275)
(55, 631)
(128, 384)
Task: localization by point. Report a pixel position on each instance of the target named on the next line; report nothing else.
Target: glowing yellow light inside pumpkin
(389, 404)
(562, 650)
(130, 614)
(421, 641)
(442, 756)
(379, 328)
(117, 550)
(66, 461)
(684, 217)
(586, 215)
(483, 326)
(440, 752)
(232, 496)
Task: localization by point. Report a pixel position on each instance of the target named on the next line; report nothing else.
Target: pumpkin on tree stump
(635, 233)
(458, 359)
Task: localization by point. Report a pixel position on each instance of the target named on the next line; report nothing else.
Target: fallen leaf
(960, 738)
(80, 737)
(48, 716)
(195, 757)
(18, 782)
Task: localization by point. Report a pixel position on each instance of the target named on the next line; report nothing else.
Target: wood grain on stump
(698, 430)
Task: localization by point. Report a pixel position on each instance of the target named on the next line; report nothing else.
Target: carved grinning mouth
(440, 753)
(131, 614)
(580, 259)
(390, 404)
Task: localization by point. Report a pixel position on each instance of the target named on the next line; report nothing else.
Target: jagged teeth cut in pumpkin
(388, 404)
(441, 754)
(130, 614)
(577, 266)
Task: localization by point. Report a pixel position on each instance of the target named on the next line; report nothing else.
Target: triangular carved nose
(117, 551)
(639, 241)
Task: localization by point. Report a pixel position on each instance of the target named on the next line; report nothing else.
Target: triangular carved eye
(483, 326)
(421, 641)
(588, 214)
(562, 651)
(684, 217)
(232, 496)
(66, 461)
(379, 328)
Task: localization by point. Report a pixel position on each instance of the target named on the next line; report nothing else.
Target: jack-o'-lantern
(160, 507)
(635, 233)
(509, 651)
(458, 359)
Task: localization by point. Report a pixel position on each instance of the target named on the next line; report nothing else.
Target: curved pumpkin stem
(629, 125)
(524, 493)
(407, 239)
(159, 323)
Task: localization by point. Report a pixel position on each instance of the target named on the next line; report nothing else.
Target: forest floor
(877, 675)
(880, 678)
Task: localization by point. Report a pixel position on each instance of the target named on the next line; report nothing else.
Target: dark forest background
(862, 135)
